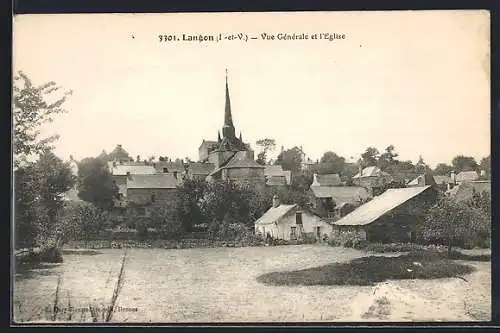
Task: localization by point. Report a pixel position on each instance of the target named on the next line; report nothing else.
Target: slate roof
(465, 176)
(332, 179)
(170, 166)
(464, 191)
(274, 214)
(380, 205)
(371, 171)
(197, 168)
(442, 180)
(122, 169)
(341, 194)
(160, 181)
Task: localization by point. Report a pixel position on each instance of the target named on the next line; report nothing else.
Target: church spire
(228, 119)
(228, 129)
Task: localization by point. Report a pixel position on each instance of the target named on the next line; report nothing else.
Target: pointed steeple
(228, 131)
(228, 119)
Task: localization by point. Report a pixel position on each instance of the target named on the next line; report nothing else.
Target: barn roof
(380, 205)
(122, 169)
(274, 214)
(341, 194)
(277, 170)
(467, 176)
(158, 181)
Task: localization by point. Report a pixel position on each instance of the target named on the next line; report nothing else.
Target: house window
(175, 174)
(298, 218)
(153, 197)
(165, 170)
(293, 232)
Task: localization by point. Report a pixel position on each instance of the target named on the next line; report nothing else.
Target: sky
(416, 80)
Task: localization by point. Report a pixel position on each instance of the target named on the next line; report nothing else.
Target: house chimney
(453, 177)
(276, 201)
(129, 176)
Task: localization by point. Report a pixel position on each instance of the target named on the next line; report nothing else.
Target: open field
(220, 284)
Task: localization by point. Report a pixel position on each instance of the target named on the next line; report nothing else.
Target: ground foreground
(222, 284)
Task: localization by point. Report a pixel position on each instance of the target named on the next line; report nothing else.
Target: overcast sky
(417, 80)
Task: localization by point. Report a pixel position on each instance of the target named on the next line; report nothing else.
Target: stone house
(372, 178)
(146, 192)
(276, 176)
(333, 202)
(390, 217)
(290, 222)
(199, 170)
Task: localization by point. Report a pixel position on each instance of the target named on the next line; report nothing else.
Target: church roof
(159, 181)
(201, 168)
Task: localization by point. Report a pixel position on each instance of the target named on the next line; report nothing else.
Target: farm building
(334, 202)
(290, 222)
(389, 217)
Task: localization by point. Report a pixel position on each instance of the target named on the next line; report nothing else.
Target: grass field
(221, 284)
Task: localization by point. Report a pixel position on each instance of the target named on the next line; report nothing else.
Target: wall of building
(343, 234)
(283, 228)
(253, 175)
(163, 197)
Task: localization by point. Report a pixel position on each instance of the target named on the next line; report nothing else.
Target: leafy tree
(331, 163)
(191, 192)
(96, 184)
(387, 158)
(290, 159)
(226, 199)
(266, 145)
(421, 167)
(369, 157)
(443, 169)
(79, 220)
(29, 212)
(454, 223)
(30, 111)
(464, 163)
(485, 165)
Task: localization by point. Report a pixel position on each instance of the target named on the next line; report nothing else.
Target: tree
(443, 169)
(421, 167)
(29, 212)
(370, 157)
(331, 163)
(96, 184)
(485, 165)
(290, 159)
(266, 146)
(31, 110)
(79, 220)
(387, 158)
(464, 163)
(453, 223)
(191, 192)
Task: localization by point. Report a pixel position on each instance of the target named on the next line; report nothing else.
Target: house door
(318, 232)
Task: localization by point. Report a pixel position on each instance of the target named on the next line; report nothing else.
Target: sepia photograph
(251, 167)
